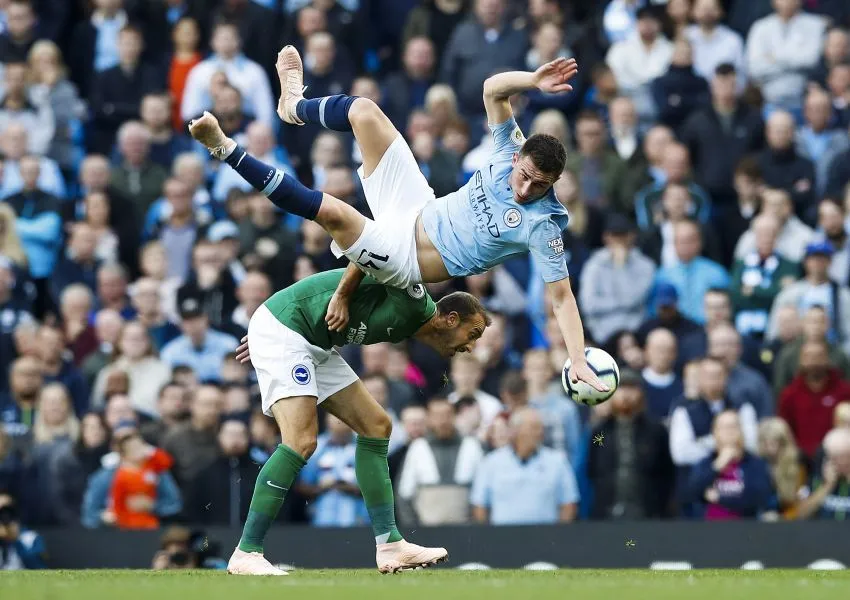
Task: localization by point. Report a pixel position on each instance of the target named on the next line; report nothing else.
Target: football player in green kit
(292, 351)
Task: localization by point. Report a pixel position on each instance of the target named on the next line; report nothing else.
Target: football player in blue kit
(506, 208)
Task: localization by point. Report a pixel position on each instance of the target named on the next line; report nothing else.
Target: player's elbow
(559, 292)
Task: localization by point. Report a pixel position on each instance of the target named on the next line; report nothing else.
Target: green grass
(445, 584)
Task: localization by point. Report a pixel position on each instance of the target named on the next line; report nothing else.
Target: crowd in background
(707, 185)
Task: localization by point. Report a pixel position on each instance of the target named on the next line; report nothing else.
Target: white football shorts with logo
(287, 365)
(396, 192)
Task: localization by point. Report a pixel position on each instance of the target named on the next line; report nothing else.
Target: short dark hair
(512, 382)
(464, 304)
(546, 152)
(749, 166)
(724, 69)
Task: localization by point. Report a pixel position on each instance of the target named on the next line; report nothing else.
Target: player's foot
(251, 563)
(290, 70)
(403, 556)
(207, 131)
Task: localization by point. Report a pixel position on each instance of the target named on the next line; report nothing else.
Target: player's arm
(553, 77)
(569, 320)
(337, 315)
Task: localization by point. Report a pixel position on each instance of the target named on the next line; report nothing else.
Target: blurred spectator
(548, 44)
(199, 347)
(680, 91)
(498, 291)
(649, 171)
(119, 411)
(831, 226)
(665, 305)
(693, 275)
(251, 293)
(838, 174)
(748, 186)
(94, 47)
(691, 421)
(266, 243)
(759, 276)
(228, 106)
(194, 444)
(598, 168)
(375, 359)
(117, 92)
(171, 411)
(807, 403)
(55, 431)
(185, 37)
(466, 376)
(778, 450)
(626, 140)
(13, 312)
(828, 491)
(586, 223)
(326, 71)
(438, 470)
(57, 366)
(629, 466)
(78, 265)
(732, 483)
(20, 105)
(675, 169)
(20, 548)
(744, 384)
(817, 140)
(256, 25)
(221, 492)
(619, 19)
(242, 73)
(42, 173)
(98, 209)
(816, 289)
(154, 265)
(641, 56)
(561, 419)
(77, 463)
(147, 302)
(783, 167)
(107, 328)
(524, 482)
(18, 407)
(494, 350)
(112, 290)
(166, 145)
(836, 50)
(793, 235)
(137, 177)
(136, 357)
(781, 48)
(481, 45)
(75, 307)
(405, 90)
(10, 242)
(19, 33)
(661, 384)
(414, 424)
(435, 20)
(134, 493)
(719, 135)
(177, 227)
(714, 43)
(615, 282)
(328, 480)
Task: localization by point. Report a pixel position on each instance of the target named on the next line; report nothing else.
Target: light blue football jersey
(481, 225)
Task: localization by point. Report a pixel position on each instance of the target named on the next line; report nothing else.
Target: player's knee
(304, 444)
(380, 427)
(364, 111)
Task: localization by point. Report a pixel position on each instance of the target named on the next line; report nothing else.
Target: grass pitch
(438, 584)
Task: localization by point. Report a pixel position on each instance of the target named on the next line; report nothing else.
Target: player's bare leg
(340, 220)
(372, 128)
(299, 426)
(357, 409)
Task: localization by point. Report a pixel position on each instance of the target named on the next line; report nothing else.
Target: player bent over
(297, 367)
(507, 208)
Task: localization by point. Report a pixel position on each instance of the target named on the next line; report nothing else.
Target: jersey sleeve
(547, 250)
(508, 138)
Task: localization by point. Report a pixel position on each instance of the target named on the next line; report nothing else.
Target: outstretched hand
(242, 354)
(582, 372)
(554, 76)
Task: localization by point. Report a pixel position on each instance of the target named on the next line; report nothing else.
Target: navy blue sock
(283, 190)
(331, 112)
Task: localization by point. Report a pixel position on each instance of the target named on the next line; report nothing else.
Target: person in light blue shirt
(692, 275)
(525, 483)
(506, 209)
(329, 478)
(200, 347)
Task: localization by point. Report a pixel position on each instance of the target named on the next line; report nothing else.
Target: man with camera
(20, 548)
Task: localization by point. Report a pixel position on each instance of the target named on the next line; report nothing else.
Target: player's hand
(712, 496)
(242, 354)
(337, 317)
(582, 372)
(554, 77)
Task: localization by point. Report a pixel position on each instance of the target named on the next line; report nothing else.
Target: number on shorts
(369, 264)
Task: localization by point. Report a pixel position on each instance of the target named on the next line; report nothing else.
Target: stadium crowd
(707, 185)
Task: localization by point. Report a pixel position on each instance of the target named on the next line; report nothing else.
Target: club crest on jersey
(301, 374)
(517, 136)
(416, 291)
(512, 217)
(556, 245)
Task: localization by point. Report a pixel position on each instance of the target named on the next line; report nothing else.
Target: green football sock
(273, 481)
(373, 477)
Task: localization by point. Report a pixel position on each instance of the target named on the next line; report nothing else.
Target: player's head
(459, 322)
(537, 167)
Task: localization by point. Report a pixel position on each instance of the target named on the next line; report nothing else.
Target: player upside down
(507, 208)
(292, 351)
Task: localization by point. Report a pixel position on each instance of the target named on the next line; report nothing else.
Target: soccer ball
(605, 368)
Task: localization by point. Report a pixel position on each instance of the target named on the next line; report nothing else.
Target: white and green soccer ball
(605, 368)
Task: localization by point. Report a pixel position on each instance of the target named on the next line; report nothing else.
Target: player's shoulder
(549, 208)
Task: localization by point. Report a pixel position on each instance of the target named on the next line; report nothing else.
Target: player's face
(463, 336)
(527, 181)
